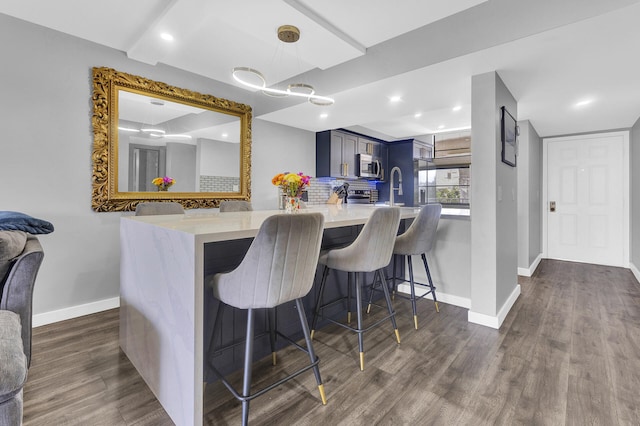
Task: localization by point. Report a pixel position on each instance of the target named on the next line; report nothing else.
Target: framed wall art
(509, 138)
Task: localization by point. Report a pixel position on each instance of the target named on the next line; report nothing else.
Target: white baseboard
(524, 272)
(482, 319)
(495, 321)
(635, 271)
(75, 311)
(450, 299)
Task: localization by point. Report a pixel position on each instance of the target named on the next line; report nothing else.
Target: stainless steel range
(362, 196)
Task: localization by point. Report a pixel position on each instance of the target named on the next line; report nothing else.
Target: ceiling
(551, 55)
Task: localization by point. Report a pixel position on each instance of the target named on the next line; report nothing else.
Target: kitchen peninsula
(163, 307)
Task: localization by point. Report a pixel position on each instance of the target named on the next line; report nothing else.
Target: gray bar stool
(158, 208)
(418, 240)
(235, 206)
(279, 267)
(371, 251)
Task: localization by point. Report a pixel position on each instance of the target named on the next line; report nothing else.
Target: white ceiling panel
(373, 21)
(116, 23)
(222, 35)
(547, 73)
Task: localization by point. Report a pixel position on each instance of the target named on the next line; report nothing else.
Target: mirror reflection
(145, 130)
(196, 147)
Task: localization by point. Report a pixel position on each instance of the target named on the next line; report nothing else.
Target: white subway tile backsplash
(320, 189)
(219, 183)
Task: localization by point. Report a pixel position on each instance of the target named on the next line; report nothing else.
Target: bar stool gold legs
(431, 286)
(370, 252)
(323, 397)
(418, 239)
(271, 318)
(359, 328)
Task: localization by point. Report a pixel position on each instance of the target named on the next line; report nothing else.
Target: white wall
(218, 158)
(449, 262)
(45, 160)
(529, 198)
(483, 194)
(493, 205)
(181, 162)
(535, 195)
(634, 155)
(276, 149)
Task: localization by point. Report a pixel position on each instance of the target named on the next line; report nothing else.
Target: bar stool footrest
(272, 386)
(348, 327)
(402, 280)
(265, 389)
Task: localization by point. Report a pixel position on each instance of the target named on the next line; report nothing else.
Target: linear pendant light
(254, 79)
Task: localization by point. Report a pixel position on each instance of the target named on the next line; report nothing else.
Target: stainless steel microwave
(369, 167)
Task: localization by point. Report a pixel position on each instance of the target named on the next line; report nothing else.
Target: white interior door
(586, 198)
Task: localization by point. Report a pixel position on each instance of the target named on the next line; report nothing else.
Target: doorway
(145, 164)
(586, 198)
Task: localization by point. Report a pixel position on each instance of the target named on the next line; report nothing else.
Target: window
(449, 186)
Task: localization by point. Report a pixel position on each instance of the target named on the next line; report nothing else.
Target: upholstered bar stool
(235, 206)
(279, 267)
(370, 252)
(418, 240)
(158, 208)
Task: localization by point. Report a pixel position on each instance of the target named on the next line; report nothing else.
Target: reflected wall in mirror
(145, 129)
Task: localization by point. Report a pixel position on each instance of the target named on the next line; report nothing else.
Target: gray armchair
(13, 369)
(16, 294)
(17, 289)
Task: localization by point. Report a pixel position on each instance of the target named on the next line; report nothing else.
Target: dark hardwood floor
(568, 353)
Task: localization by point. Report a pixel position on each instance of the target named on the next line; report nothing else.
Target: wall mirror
(145, 129)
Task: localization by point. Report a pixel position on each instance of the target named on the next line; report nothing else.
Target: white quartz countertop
(216, 226)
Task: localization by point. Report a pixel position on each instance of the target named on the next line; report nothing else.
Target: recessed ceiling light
(456, 108)
(584, 102)
(417, 115)
(441, 126)
(225, 135)
(395, 99)
(166, 37)
(324, 115)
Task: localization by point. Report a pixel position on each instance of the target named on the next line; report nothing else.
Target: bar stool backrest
(279, 266)
(373, 247)
(235, 206)
(419, 237)
(158, 208)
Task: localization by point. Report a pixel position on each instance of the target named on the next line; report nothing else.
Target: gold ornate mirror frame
(106, 196)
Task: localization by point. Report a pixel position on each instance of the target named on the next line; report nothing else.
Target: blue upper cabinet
(336, 154)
